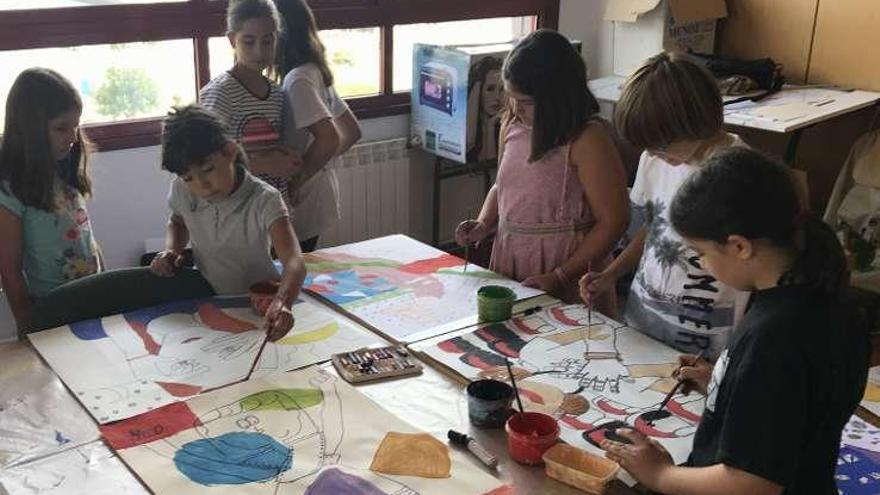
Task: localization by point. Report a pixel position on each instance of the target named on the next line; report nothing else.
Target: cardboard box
(457, 99)
(643, 28)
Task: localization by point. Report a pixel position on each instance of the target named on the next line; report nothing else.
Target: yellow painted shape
(412, 454)
(311, 336)
(872, 392)
(570, 336)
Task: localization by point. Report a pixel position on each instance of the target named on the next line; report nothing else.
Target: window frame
(199, 20)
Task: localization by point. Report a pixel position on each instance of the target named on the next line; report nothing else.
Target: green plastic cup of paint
(494, 303)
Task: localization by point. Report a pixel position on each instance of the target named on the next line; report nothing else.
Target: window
(166, 49)
(480, 31)
(355, 58)
(54, 4)
(116, 82)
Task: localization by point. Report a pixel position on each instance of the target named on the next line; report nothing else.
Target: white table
(431, 401)
(791, 110)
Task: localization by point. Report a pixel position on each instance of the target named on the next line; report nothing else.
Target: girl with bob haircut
(672, 108)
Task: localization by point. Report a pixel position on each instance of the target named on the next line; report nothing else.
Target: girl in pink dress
(559, 203)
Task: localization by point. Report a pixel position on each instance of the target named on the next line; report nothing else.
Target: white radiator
(374, 188)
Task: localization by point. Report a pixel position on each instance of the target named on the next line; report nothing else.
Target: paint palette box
(457, 99)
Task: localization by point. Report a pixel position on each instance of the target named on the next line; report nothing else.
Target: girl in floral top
(47, 237)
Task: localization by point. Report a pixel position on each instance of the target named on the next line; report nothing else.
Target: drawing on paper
(88, 469)
(38, 417)
(619, 377)
(858, 465)
(300, 432)
(132, 363)
(405, 289)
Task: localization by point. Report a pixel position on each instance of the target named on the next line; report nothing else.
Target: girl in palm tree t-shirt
(673, 109)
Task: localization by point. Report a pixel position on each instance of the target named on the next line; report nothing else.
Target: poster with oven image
(457, 99)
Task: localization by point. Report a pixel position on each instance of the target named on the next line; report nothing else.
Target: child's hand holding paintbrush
(279, 319)
(691, 363)
(694, 373)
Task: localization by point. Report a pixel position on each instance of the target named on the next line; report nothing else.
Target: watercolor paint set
(370, 364)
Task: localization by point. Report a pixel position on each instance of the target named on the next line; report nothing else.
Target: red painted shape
(485, 335)
(502, 490)
(508, 351)
(576, 423)
(449, 346)
(598, 436)
(320, 289)
(216, 319)
(522, 327)
(155, 425)
(532, 396)
(676, 408)
(149, 344)
(476, 362)
(180, 389)
(607, 407)
(649, 430)
(559, 314)
(432, 265)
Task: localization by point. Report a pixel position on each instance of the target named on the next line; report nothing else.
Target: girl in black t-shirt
(795, 368)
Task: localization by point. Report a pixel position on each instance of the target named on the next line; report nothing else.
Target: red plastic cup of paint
(529, 435)
(262, 294)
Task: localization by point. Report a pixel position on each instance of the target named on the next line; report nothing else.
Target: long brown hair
(300, 43)
(545, 66)
(27, 166)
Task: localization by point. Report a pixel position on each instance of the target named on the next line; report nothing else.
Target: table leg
(792, 146)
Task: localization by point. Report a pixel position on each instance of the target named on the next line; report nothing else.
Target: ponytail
(820, 263)
(739, 191)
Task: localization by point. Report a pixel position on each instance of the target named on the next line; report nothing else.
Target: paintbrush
(513, 383)
(585, 333)
(673, 391)
(467, 248)
(257, 359)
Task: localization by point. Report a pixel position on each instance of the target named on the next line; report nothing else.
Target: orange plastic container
(579, 468)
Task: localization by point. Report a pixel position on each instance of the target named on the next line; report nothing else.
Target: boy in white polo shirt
(231, 217)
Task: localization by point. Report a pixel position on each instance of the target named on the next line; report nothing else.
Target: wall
(842, 54)
(753, 29)
(817, 42)
(130, 191)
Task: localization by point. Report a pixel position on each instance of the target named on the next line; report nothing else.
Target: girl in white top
(249, 103)
(672, 109)
(317, 122)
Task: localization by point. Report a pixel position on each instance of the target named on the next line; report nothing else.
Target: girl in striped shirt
(249, 103)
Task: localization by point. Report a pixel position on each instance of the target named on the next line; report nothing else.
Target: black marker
(479, 452)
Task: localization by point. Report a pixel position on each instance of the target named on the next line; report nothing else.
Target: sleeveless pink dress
(543, 214)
